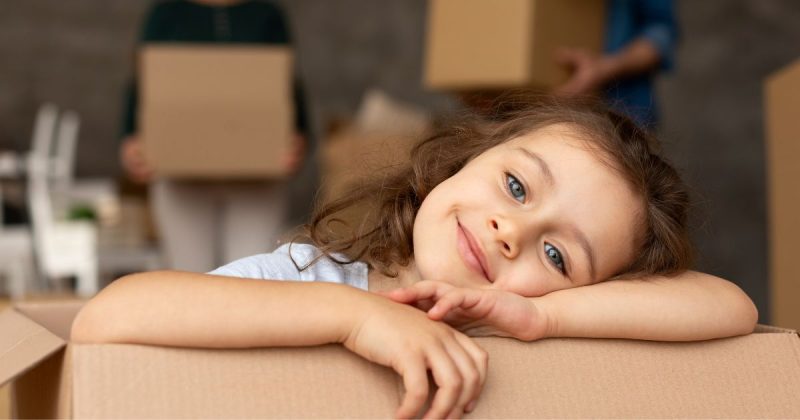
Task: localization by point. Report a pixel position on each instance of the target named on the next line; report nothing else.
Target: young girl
(556, 221)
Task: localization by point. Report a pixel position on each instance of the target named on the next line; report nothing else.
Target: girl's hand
(403, 338)
(477, 312)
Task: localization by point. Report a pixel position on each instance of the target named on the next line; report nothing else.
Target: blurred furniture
(54, 247)
(117, 251)
(16, 242)
(63, 248)
(121, 246)
(16, 259)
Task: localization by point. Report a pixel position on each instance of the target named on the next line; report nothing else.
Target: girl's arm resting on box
(200, 310)
(690, 306)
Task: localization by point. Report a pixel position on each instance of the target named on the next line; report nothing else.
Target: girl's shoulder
(298, 262)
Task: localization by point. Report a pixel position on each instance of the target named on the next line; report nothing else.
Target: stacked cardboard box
(754, 376)
(490, 45)
(782, 100)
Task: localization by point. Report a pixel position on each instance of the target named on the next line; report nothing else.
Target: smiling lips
(472, 253)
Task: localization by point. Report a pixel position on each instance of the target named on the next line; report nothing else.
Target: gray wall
(713, 126)
(77, 53)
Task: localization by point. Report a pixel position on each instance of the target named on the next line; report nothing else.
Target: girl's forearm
(691, 306)
(199, 310)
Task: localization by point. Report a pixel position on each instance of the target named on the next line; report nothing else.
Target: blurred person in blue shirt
(640, 42)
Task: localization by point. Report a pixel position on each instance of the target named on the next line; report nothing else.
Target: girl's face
(535, 214)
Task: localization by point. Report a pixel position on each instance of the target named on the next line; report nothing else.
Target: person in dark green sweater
(202, 223)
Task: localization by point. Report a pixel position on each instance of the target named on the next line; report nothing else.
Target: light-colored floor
(5, 406)
(5, 403)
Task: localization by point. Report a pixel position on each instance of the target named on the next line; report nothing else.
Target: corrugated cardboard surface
(216, 112)
(782, 95)
(482, 44)
(745, 377)
(754, 376)
(119, 381)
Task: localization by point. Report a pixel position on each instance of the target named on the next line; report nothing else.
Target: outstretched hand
(476, 312)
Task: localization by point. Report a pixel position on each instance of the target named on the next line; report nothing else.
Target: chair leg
(17, 279)
(88, 281)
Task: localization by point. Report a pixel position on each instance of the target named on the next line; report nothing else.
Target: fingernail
(470, 407)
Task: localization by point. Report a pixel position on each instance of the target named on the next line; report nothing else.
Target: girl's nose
(505, 235)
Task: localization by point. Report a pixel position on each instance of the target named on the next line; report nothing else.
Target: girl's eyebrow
(579, 236)
(541, 164)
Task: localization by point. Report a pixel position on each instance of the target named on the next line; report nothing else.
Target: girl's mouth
(470, 252)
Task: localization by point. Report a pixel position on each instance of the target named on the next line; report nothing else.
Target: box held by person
(487, 45)
(212, 112)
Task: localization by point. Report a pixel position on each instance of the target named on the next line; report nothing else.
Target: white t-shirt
(278, 265)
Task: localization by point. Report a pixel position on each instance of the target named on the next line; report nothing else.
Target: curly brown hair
(383, 238)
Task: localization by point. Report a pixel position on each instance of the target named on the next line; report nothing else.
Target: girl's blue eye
(554, 255)
(515, 188)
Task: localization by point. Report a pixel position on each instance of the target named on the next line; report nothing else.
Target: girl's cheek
(529, 281)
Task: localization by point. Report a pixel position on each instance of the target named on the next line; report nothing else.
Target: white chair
(66, 190)
(102, 196)
(16, 249)
(16, 257)
(63, 248)
(16, 243)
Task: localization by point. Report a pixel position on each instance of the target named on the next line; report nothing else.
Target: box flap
(23, 344)
(56, 316)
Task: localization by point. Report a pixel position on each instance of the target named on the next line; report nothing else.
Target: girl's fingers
(415, 381)
(447, 377)
(419, 291)
(470, 376)
(452, 299)
(430, 289)
(481, 360)
(470, 406)
(398, 295)
(464, 299)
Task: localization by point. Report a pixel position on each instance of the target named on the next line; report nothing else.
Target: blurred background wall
(78, 54)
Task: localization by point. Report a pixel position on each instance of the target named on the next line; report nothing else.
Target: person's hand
(293, 159)
(589, 72)
(133, 161)
(403, 338)
(477, 312)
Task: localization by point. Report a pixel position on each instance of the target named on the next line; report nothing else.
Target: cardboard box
(350, 155)
(377, 142)
(485, 44)
(216, 112)
(754, 376)
(782, 102)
